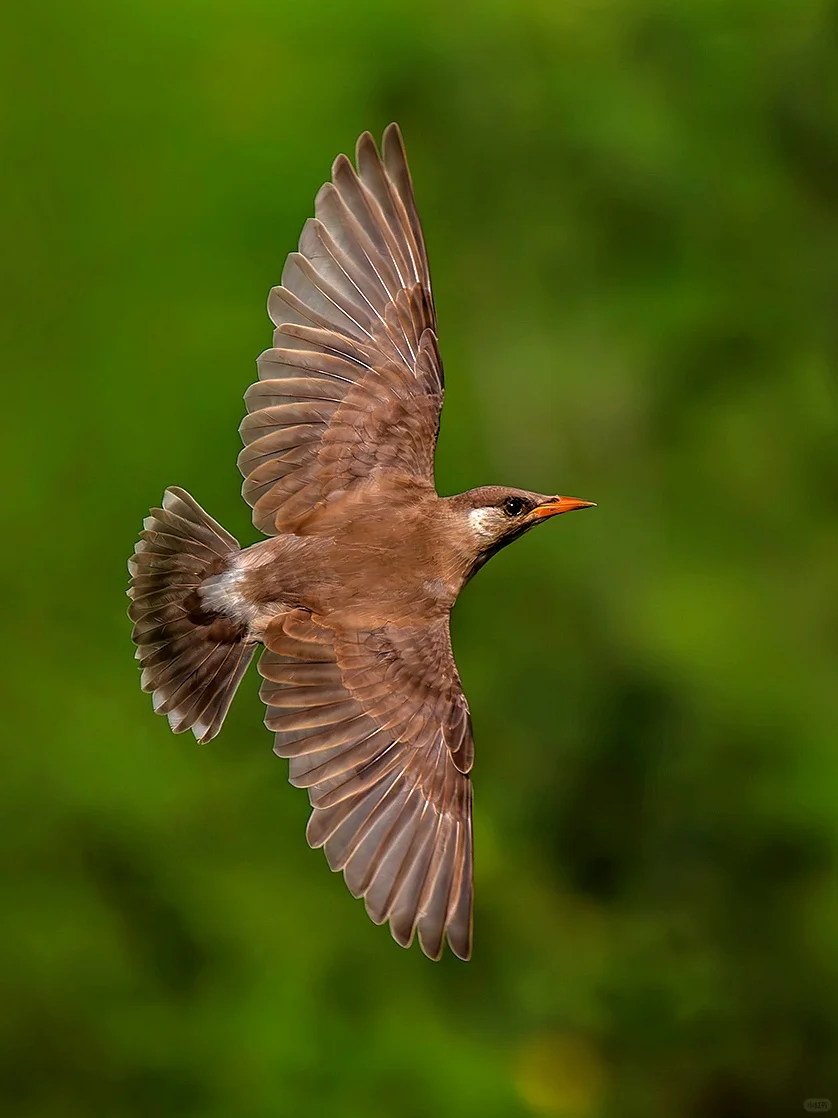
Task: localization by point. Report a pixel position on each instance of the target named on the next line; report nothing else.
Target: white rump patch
(221, 593)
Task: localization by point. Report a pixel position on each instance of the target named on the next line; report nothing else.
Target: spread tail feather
(192, 658)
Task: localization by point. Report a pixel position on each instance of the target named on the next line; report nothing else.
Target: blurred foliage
(632, 215)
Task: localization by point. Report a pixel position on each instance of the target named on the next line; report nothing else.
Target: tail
(192, 657)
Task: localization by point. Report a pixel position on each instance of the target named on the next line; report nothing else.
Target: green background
(632, 216)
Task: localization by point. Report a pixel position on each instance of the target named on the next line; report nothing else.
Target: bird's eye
(513, 506)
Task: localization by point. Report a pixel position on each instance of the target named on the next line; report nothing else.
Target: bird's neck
(461, 553)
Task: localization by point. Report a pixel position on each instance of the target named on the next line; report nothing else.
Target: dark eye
(513, 506)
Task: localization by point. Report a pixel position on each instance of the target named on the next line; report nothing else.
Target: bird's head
(492, 516)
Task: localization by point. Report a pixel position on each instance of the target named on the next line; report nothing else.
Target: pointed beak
(560, 504)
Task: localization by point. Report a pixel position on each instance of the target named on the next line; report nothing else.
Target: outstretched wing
(376, 726)
(354, 383)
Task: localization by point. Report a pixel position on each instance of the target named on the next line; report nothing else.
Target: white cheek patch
(484, 522)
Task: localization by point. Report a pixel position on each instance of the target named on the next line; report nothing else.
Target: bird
(350, 594)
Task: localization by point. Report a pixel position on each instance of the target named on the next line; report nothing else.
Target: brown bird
(351, 595)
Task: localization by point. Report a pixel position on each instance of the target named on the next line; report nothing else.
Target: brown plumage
(351, 595)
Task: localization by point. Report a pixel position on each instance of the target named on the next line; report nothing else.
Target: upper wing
(376, 726)
(354, 384)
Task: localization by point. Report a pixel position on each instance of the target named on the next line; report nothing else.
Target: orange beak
(560, 504)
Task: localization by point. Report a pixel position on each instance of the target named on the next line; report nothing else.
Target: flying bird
(350, 595)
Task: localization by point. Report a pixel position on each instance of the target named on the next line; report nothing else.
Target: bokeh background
(632, 216)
